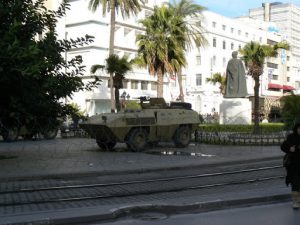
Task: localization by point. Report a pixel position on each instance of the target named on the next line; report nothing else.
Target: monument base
(235, 111)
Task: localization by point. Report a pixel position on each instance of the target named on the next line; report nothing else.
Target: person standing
(291, 146)
(235, 86)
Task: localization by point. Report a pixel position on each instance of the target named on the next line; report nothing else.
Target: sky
(235, 8)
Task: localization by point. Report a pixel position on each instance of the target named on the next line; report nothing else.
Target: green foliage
(34, 75)
(126, 7)
(290, 109)
(118, 67)
(74, 111)
(264, 128)
(218, 78)
(132, 104)
(254, 55)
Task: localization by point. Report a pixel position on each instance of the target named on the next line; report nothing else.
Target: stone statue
(235, 78)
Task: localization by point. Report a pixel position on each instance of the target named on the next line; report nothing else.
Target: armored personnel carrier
(154, 122)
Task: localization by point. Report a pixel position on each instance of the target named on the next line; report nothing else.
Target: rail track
(63, 193)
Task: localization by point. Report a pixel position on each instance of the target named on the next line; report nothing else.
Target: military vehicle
(154, 122)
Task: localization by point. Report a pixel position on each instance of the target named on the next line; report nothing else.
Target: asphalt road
(276, 214)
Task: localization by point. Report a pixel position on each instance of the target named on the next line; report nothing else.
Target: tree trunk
(256, 105)
(181, 94)
(160, 83)
(111, 51)
(117, 95)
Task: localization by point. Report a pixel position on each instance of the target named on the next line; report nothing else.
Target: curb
(167, 209)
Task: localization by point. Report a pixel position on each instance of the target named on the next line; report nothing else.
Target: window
(126, 31)
(153, 86)
(272, 65)
(232, 46)
(288, 79)
(239, 32)
(240, 47)
(288, 58)
(198, 60)
(232, 30)
(125, 84)
(214, 60)
(246, 34)
(148, 13)
(223, 27)
(134, 84)
(270, 42)
(198, 24)
(199, 79)
(144, 85)
(224, 44)
(288, 68)
(214, 42)
(214, 24)
(275, 77)
(224, 62)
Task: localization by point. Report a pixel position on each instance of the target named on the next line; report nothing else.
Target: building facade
(287, 18)
(223, 36)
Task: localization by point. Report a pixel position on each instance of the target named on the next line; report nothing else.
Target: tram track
(96, 191)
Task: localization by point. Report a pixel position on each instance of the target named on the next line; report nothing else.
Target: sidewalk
(59, 157)
(72, 157)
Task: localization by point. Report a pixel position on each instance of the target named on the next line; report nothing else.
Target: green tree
(254, 55)
(187, 30)
(290, 110)
(218, 78)
(158, 47)
(126, 7)
(118, 67)
(33, 79)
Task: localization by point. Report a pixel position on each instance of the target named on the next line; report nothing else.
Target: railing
(234, 138)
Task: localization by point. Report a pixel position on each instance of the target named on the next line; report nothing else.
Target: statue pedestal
(235, 111)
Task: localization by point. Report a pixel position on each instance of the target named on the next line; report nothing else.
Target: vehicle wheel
(137, 140)
(182, 136)
(106, 145)
(10, 134)
(50, 133)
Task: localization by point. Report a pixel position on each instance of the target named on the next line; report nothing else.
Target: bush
(264, 128)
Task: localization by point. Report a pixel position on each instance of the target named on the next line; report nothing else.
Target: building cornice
(130, 26)
(86, 23)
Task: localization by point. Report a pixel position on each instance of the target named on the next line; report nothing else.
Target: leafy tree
(118, 67)
(218, 78)
(187, 30)
(34, 77)
(290, 110)
(126, 7)
(157, 48)
(254, 55)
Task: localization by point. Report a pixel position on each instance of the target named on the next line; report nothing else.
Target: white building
(287, 18)
(223, 34)
(80, 21)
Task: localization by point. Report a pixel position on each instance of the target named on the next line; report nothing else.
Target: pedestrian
(291, 146)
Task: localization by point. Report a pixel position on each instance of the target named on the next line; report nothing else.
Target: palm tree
(154, 46)
(254, 55)
(118, 67)
(188, 31)
(218, 78)
(126, 7)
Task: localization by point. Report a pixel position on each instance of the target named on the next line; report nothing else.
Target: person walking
(291, 146)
